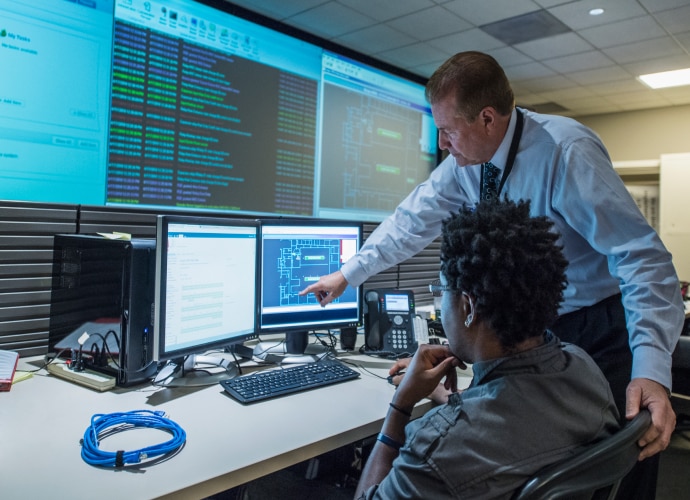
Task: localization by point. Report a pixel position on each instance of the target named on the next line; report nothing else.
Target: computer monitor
(294, 254)
(206, 293)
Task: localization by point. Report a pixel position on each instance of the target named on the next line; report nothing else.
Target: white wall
(643, 135)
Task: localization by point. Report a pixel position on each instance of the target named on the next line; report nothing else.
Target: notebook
(8, 365)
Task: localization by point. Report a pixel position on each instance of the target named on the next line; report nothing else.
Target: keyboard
(296, 378)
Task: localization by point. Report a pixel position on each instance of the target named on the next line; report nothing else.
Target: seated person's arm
(428, 366)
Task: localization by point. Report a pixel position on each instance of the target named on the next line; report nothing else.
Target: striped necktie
(489, 188)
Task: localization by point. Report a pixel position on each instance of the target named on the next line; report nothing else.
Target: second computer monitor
(206, 285)
(295, 253)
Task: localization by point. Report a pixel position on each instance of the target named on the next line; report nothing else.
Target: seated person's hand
(436, 362)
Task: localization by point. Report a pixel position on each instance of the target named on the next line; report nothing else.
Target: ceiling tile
(684, 40)
(528, 71)
(529, 100)
(637, 105)
(375, 39)
(383, 10)
(480, 12)
(571, 92)
(472, 39)
(590, 103)
(551, 83)
(578, 62)
(551, 3)
(638, 97)
(601, 75)
(412, 56)
(277, 10)
(617, 87)
(646, 49)
(658, 64)
(675, 20)
(576, 14)
(676, 95)
(628, 31)
(659, 5)
(559, 45)
(508, 56)
(427, 69)
(430, 23)
(331, 20)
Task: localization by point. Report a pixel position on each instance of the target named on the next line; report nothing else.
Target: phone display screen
(397, 302)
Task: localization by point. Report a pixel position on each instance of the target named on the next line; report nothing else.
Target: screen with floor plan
(294, 254)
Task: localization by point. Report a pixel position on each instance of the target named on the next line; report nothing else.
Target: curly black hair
(511, 265)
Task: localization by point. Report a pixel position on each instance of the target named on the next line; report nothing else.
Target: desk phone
(389, 322)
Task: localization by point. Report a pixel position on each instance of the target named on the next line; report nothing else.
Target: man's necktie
(489, 186)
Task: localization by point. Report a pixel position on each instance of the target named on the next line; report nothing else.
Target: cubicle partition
(26, 253)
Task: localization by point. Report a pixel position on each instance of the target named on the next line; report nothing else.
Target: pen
(390, 377)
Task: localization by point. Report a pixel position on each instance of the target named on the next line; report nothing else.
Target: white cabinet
(661, 189)
(674, 216)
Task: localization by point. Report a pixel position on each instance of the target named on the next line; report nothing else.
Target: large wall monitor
(54, 100)
(181, 104)
(294, 254)
(206, 288)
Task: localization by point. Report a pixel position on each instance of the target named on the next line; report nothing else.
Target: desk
(42, 420)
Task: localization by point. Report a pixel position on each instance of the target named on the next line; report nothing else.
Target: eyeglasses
(437, 288)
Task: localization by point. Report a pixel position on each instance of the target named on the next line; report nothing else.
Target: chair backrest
(595, 472)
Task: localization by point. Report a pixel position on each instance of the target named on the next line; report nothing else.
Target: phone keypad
(400, 338)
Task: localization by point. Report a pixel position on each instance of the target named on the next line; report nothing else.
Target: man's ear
(467, 304)
(488, 116)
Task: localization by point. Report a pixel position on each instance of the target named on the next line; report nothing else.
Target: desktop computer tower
(105, 288)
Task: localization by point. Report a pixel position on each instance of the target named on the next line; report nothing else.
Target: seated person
(533, 400)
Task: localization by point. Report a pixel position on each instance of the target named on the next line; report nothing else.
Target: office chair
(680, 397)
(594, 473)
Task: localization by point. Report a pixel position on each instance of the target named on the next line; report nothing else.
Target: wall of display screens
(181, 105)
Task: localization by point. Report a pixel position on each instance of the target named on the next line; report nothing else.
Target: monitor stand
(295, 349)
(195, 370)
(296, 342)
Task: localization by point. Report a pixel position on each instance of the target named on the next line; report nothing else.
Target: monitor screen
(206, 284)
(294, 254)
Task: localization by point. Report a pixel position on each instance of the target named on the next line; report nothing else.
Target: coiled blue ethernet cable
(103, 425)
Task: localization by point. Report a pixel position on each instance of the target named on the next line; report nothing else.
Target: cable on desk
(104, 425)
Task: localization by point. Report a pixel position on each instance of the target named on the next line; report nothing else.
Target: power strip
(88, 378)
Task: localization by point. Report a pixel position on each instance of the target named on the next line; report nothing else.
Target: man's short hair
(477, 80)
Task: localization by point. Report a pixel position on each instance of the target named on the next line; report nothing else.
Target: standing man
(622, 304)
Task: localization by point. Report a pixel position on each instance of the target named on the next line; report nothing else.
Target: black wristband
(404, 412)
(389, 441)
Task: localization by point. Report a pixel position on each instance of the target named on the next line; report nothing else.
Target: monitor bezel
(162, 224)
(322, 325)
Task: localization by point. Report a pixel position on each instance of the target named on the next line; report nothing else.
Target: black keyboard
(271, 384)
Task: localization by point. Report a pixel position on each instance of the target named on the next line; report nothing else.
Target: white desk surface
(42, 420)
